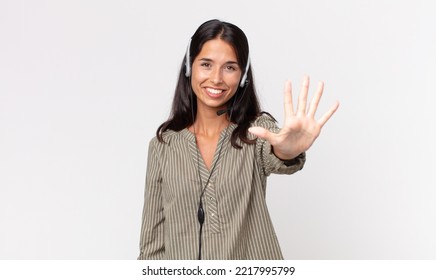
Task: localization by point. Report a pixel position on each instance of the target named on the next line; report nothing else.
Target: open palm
(300, 128)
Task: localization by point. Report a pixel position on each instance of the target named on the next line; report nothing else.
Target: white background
(84, 85)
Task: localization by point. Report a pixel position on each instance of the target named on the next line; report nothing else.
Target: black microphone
(200, 213)
(222, 111)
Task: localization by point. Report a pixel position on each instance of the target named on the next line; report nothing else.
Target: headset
(188, 66)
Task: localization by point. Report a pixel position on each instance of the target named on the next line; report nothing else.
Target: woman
(208, 164)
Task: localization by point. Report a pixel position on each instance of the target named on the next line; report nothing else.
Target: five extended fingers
(302, 116)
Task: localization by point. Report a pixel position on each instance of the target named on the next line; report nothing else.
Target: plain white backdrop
(85, 84)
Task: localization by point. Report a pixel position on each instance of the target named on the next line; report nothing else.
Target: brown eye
(230, 68)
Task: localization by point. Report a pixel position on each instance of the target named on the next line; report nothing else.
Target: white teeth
(214, 91)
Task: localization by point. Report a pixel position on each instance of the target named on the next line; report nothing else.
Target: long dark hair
(246, 108)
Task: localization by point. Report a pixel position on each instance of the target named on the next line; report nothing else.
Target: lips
(214, 92)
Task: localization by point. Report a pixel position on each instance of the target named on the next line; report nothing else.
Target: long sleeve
(152, 245)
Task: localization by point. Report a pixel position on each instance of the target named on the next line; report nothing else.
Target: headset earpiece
(188, 61)
(244, 77)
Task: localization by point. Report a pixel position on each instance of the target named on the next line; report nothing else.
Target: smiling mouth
(214, 91)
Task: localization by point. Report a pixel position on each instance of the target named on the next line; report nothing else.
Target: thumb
(261, 133)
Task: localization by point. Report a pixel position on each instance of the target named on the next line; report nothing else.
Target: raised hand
(300, 128)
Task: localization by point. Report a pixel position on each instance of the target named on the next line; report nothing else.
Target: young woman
(208, 164)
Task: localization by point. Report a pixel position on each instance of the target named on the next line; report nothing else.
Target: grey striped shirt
(237, 223)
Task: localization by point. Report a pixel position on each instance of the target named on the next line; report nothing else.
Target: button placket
(212, 207)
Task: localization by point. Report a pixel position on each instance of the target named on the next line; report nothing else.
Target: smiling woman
(215, 75)
(208, 164)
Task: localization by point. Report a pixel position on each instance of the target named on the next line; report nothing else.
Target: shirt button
(213, 214)
(210, 198)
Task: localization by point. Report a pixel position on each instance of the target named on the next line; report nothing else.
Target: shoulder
(265, 120)
(169, 138)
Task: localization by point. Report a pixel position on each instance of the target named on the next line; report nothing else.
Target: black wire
(200, 211)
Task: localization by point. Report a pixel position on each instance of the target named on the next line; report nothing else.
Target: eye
(230, 68)
(205, 64)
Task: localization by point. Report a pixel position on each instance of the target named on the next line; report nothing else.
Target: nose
(217, 76)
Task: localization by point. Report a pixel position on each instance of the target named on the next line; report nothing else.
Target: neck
(208, 123)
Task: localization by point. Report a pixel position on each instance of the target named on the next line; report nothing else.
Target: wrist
(284, 156)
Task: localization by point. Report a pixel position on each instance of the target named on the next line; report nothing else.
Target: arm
(152, 245)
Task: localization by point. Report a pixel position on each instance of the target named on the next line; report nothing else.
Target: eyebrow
(210, 60)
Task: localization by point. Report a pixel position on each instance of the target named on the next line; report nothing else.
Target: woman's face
(215, 74)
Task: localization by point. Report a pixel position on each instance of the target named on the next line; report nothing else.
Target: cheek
(233, 80)
(199, 77)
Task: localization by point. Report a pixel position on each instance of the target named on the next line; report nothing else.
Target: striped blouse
(237, 223)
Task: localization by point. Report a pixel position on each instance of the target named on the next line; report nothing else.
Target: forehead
(217, 49)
